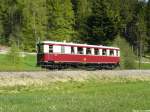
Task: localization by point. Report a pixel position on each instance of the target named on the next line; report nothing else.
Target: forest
(99, 22)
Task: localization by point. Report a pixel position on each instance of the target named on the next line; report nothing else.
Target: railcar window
(50, 49)
(117, 53)
(72, 50)
(62, 49)
(88, 51)
(104, 52)
(80, 50)
(111, 52)
(96, 51)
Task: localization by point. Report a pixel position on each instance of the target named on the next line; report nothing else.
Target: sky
(144, 0)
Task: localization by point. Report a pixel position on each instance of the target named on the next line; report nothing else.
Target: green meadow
(88, 96)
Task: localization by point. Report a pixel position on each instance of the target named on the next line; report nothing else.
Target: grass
(145, 66)
(88, 96)
(28, 63)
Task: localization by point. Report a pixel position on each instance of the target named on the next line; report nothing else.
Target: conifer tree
(1, 20)
(61, 20)
(128, 15)
(148, 18)
(82, 10)
(113, 11)
(34, 22)
(10, 15)
(148, 24)
(101, 28)
(90, 21)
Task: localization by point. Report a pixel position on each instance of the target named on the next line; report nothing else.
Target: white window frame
(108, 52)
(56, 49)
(118, 53)
(84, 51)
(100, 52)
(115, 52)
(46, 48)
(62, 49)
(92, 51)
(75, 50)
(67, 49)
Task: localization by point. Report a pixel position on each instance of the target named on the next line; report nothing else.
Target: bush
(128, 59)
(13, 56)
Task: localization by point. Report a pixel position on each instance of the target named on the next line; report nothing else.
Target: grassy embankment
(86, 96)
(28, 63)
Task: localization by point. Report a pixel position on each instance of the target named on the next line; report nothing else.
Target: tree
(141, 28)
(113, 12)
(82, 9)
(128, 19)
(61, 20)
(148, 23)
(84, 21)
(24, 21)
(100, 27)
(1, 20)
(128, 59)
(34, 22)
(9, 19)
(13, 55)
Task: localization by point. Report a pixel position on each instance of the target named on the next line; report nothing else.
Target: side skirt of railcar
(66, 65)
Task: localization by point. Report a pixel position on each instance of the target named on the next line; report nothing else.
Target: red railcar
(62, 55)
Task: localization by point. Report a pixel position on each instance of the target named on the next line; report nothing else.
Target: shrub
(13, 56)
(128, 58)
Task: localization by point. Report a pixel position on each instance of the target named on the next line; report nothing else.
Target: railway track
(46, 77)
(75, 73)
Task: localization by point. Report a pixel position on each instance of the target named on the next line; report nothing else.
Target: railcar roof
(75, 44)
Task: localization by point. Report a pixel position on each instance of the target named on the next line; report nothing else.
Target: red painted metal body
(77, 58)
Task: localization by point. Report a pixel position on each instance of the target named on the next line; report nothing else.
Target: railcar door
(40, 53)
